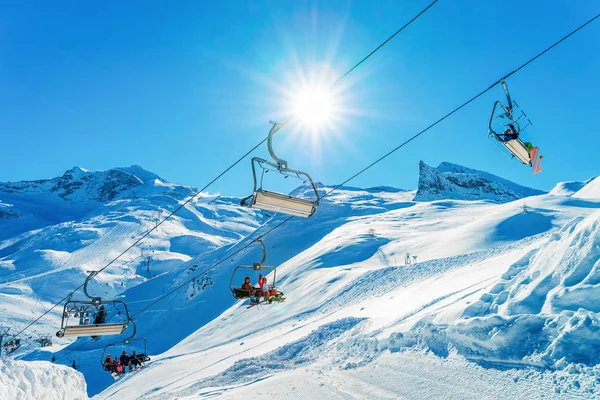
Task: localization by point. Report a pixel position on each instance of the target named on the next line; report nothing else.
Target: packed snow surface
(485, 288)
(20, 380)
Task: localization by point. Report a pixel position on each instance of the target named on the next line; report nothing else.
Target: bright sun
(314, 107)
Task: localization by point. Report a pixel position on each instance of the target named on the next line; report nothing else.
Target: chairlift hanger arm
(280, 164)
(507, 93)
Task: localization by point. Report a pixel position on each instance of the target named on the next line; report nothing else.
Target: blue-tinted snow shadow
(363, 248)
(523, 225)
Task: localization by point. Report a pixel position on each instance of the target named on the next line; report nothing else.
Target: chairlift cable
(368, 166)
(141, 238)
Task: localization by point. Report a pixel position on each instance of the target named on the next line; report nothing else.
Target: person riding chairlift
(510, 133)
(247, 286)
(266, 289)
(136, 360)
(126, 361)
(119, 367)
(109, 364)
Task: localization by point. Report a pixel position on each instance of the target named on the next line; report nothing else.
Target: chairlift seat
(518, 149)
(94, 330)
(283, 203)
(241, 293)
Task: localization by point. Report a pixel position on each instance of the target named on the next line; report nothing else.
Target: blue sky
(184, 88)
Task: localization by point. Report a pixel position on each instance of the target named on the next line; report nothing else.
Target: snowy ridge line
(382, 281)
(181, 206)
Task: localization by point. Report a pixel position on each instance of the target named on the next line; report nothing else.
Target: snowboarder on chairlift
(510, 133)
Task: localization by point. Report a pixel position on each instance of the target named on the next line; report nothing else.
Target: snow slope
(590, 191)
(20, 380)
(355, 313)
(54, 231)
(358, 321)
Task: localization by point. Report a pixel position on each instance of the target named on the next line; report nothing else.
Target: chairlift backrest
(80, 326)
(278, 202)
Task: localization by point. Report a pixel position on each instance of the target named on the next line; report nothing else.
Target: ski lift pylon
(239, 293)
(279, 202)
(514, 121)
(83, 309)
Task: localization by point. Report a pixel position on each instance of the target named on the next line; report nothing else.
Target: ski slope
(358, 322)
(356, 317)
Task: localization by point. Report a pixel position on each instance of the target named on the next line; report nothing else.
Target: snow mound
(567, 188)
(40, 380)
(544, 311)
(590, 191)
(451, 181)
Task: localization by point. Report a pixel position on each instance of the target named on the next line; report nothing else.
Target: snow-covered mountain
(386, 297)
(52, 232)
(451, 181)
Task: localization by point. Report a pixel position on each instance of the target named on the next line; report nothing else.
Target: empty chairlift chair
(509, 118)
(279, 202)
(89, 317)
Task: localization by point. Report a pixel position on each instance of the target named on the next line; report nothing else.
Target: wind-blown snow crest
(20, 380)
(543, 311)
(590, 191)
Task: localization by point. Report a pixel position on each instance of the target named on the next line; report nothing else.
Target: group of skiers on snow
(262, 289)
(120, 363)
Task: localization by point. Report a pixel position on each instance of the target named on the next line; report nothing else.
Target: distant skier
(74, 365)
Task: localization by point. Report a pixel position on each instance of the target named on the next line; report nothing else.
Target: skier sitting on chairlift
(109, 364)
(510, 133)
(266, 289)
(126, 361)
(119, 367)
(135, 360)
(247, 285)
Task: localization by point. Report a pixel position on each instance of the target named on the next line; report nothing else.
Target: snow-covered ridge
(451, 181)
(79, 185)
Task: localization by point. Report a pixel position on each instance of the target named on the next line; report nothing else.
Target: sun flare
(314, 106)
